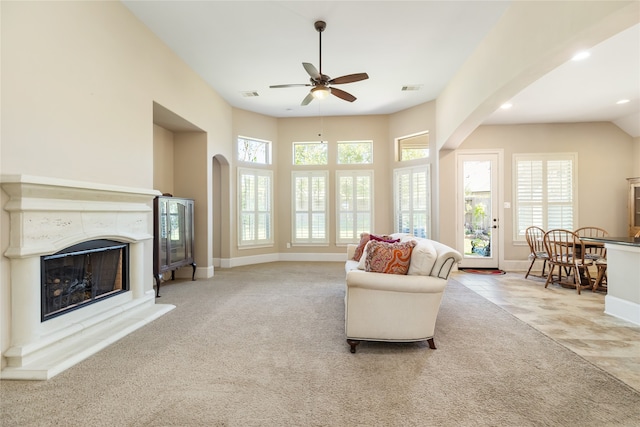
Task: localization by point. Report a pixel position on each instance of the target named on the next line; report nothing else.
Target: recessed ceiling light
(622, 101)
(581, 55)
(506, 105)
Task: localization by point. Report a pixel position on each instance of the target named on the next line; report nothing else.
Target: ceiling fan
(321, 83)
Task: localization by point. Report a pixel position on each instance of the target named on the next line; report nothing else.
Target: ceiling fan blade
(350, 78)
(292, 85)
(313, 71)
(307, 99)
(342, 94)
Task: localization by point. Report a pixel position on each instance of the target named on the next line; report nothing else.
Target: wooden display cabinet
(634, 206)
(173, 243)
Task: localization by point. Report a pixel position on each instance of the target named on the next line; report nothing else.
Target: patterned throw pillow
(390, 258)
(364, 239)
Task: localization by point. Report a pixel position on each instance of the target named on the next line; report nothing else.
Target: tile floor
(576, 321)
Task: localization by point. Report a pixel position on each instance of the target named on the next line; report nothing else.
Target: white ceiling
(246, 46)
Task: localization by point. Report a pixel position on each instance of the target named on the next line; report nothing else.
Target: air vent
(411, 87)
(250, 94)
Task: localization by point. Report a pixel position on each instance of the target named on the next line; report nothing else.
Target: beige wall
(421, 118)
(605, 160)
(253, 125)
(283, 132)
(333, 129)
(636, 157)
(78, 84)
(163, 160)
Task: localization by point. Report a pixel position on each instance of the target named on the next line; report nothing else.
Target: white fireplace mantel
(46, 216)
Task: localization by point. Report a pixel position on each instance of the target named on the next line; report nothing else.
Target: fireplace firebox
(83, 274)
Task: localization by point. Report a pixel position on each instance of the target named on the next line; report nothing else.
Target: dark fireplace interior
(83, 274)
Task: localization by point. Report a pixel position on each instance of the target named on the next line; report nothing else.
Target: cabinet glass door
(636, 206)
(163, 232)
(177, 212)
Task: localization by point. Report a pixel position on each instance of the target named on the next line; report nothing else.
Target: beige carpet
(264, 346)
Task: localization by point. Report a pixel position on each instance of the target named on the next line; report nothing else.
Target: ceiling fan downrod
(320, 26)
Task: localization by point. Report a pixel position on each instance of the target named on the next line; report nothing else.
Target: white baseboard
(201, 272)
(622, 309)
(261, 259)
(507, 265)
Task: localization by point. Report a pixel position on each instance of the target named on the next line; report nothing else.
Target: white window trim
(257, 243)
(354, 173)
(396, 195)
(309, 241)
(268, 151)
(398, 148)
(544, 157)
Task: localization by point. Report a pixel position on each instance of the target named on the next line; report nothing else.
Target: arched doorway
(221, 211)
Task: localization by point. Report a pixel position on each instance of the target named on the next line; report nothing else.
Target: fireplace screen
(83, 274)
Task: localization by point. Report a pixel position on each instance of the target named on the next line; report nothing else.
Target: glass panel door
(478, 215)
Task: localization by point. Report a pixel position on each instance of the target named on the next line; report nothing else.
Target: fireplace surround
(47, 216)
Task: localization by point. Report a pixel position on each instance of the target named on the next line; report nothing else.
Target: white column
(136, 269)
(25, 300)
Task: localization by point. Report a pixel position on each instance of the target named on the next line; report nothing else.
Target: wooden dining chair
(593, 252)
(601, 278)
(535, 236)
(566, 252)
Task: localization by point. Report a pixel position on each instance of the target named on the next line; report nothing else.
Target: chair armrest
(447, 258)
(394, 282)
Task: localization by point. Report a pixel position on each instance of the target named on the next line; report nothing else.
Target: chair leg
(599, 278)
(529, 270)
(550, 275)
(578, 277)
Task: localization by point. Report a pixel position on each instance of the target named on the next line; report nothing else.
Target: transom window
(544, 191)
(355, 152)
(310, 153)
(413, 147)
(253, 150)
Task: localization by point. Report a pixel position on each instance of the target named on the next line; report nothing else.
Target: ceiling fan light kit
(321, 83)
(320, 92)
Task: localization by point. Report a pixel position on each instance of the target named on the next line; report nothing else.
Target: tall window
(354, 204)
(355, 152)
(310, 219)
(252, 150)
(412, 191)
(545, 189)
(310, 153)
(255, 202)
(413, 147)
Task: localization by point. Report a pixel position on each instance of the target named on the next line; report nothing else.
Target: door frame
(498, 233)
